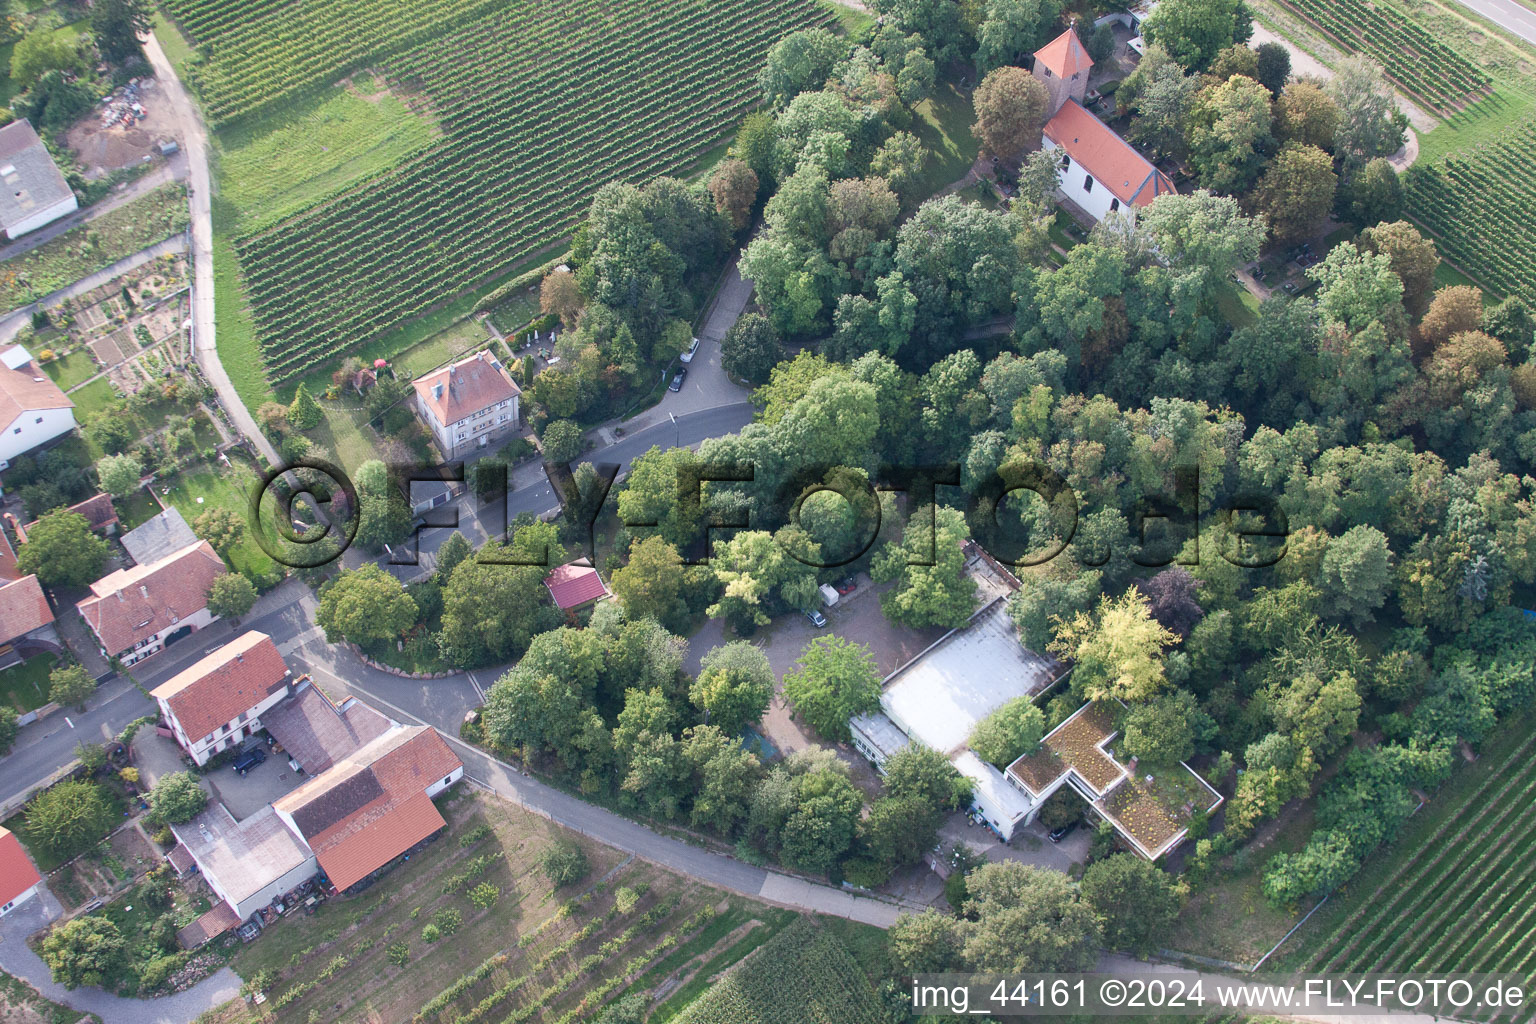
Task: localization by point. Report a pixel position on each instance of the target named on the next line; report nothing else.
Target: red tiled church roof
(1111, 160)
(1065, 55)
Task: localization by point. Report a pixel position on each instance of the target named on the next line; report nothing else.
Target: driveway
(17, 958)
(1030, 843)
(707, 386)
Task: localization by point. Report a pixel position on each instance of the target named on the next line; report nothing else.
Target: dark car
(249, 759)
(847, 585)
(1057, 835)
(677, 381)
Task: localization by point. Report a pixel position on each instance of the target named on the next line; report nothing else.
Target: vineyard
(1473, 204)
(539, 105)
(803, 976)
(1461, 899)
(1418, 62)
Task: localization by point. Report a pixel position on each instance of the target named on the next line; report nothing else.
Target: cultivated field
(1456, 893)
(1473, 202)
(538, 104)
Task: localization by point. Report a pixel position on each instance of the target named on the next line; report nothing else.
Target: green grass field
(93, 398)
(25, 686)
(944, 126)
(71, 370)
(197, 489)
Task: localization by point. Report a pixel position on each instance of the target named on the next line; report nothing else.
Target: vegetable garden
(540, 105)
(1472, 203)
(1417, 61)
(1462, 899)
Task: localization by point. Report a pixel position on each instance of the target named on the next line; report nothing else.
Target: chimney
(144, 590)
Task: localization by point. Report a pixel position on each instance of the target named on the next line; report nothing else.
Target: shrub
(430, 933)
(565, 863)
(474, 835)
(625, 898)
(484, 895)
(399, 953)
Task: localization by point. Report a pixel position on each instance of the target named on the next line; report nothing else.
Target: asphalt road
(1508, 15)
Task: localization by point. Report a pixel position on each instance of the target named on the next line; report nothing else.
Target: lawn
(442, 347)
(136, 509)
(93, 398)
(851, 20)
(284, 163)
(68, 371)
(1508, 105)
(1237, 304)
(234, 330)
(25, 686)
(513, 313)
(1447, 276)
(201, 487)
(944, 126)
(83, 250)
(345, 432)
(536, 954)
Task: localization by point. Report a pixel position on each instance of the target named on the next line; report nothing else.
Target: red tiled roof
(372, 805)
(23, 608)
(181, 859)
(130, 605)
(1065, 55)
(27, 389)
(469, 386)
(8, 556)
(217, 688)
(212, 924)
(573, 585)
(98, 510)
(1111, 160)
(17, 874)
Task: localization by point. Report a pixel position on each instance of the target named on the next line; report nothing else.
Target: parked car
(1057, 835)
(847, 585)
(817, 619)
(677, 381)
(249, 759)
(693, 350)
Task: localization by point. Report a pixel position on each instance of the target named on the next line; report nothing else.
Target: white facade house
(19, 878)
(33, 410)
(34, 193)
(469, 404)
(217, 702)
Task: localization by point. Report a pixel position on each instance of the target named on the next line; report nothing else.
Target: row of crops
(1464, 901)
(541, 105)
(1411, 55)
(1477, 205)
(260, 52)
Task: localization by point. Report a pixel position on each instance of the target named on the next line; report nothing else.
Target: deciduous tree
(364, 605)
(1024, 918)
(221, 527)
(88, 950)
(1136, 900)
(1008, 733)
(70, 685)
(1117, 650)
(734, 187)
(834, 680)
(62, 550)
(751, 349)
(231, 596)
(1296, 192)
(734, 686)
(1010, 108)
(1195, 31)
(177, 798)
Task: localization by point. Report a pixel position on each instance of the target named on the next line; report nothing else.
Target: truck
(829, 595)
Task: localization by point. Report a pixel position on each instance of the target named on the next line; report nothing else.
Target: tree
(454, 550)
(382, 519)
(493, 605)
(70, 685)
(1274, 66)
(835, 680)
(1171, 598)
(364, 605)
(1306, 115)
(1135, 899)
(1010, 108)
(807, 810)
(1008, 733)
(800, 62)
(61, 550)
(563, 441)
(303, 412)
(937, 22)
(899, 829)
(1296, 193)
(40, 51)
(117, 26)
(1511, 322)
(1229, 133)
(1367, 111)
(52, 103)
(1356, 574)
(88, 950)
(1357, 288)
(1117, 649)
(1414, 259)
(1317, 713)
(177, 798)
(1012, 28)
(1162, 730)
(751, 349)
(221, 527)
(920, 771)
(231, 596)
(565, 863)
(1454, 310)
(734, 686)
(724, 778)
(653, 582)
(8, 729)
(1026, 919)
(932, 587)
(754, 568)
(1374, 195)
(900, 160)
(560, 295)
(926, 943)
(734, 186)
(1195, 31)
(69, 817)
(119, 474)
(1162, 96)
(1235, 60)
(1057, 590)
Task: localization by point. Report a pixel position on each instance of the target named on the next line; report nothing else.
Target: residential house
(575, 584)
(469, 404)
(35, 192)
(99, 512)
(18, 877)
(158, 536)
(33, 411)
(24, 615)
(138, 612)
(1100, 172)
(218, 702)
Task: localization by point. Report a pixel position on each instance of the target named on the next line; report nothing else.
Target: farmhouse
(138, 612)
(33, 411)
(469, 404)
(35, 193)
(1150, 811)
(217, 702)
(1099, 171)
(940, 696)
(18, 878)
